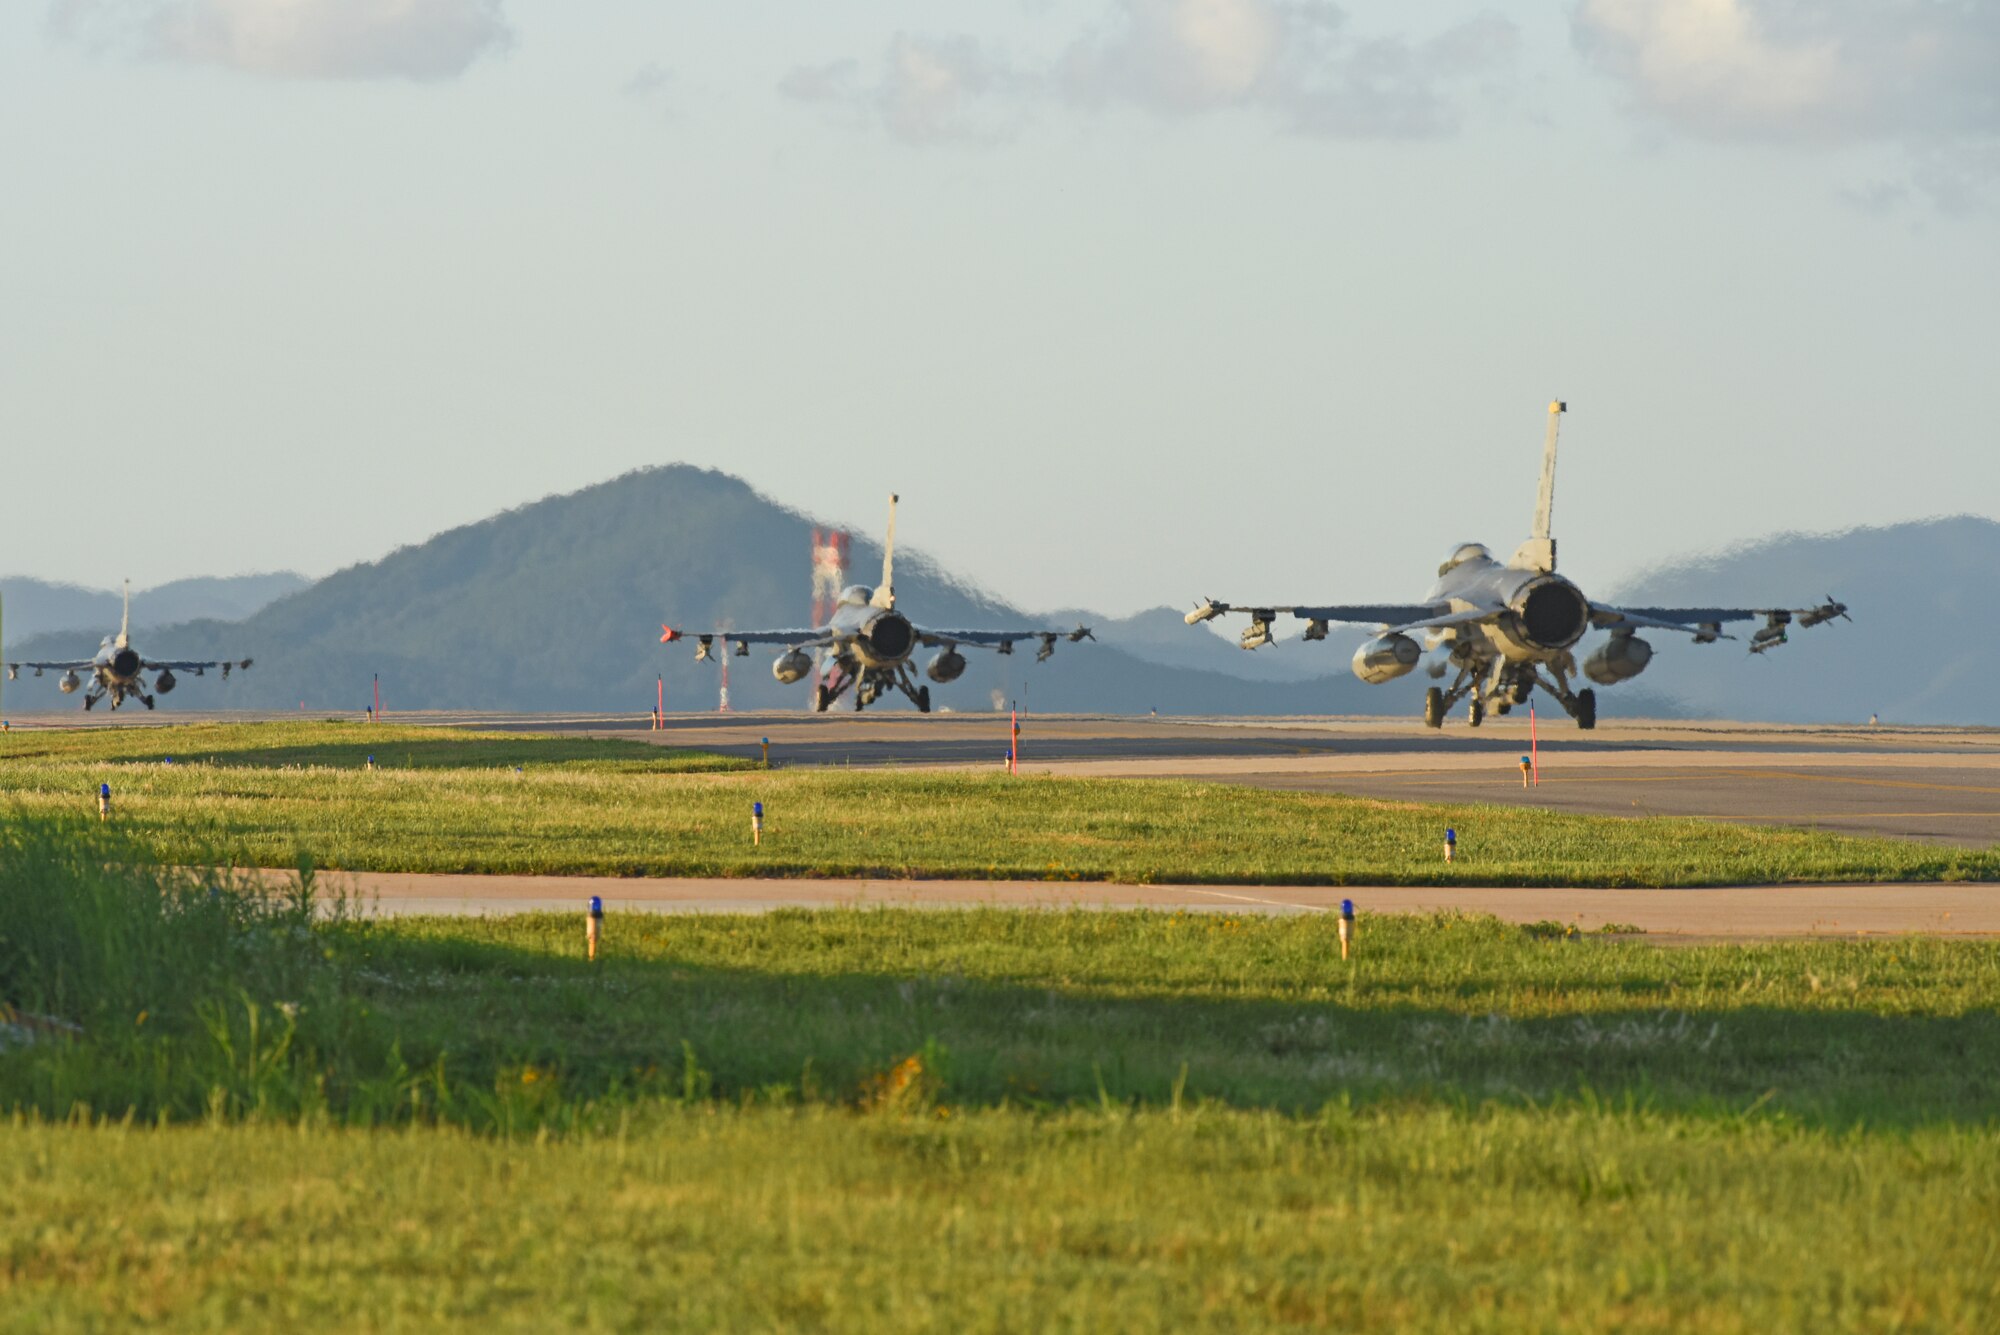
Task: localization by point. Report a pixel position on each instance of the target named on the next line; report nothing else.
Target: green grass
(1210, 1219)
(982, 1121)
(347, 746)
(455, 803)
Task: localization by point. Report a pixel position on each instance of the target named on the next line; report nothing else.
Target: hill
(37, 607)
(1922, 600)
(557, 605)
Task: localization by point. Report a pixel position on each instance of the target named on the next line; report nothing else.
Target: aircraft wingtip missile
(668, 634)
(1206, 610)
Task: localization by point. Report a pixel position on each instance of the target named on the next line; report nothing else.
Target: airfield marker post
(1014, 740)
(1526, 765)
(757, 822)
(375, 715)
(594, 926)
(370, 766)
(1534, 745)
(104, 801)
(1346, 926)
(1450, 844)
(766, 742)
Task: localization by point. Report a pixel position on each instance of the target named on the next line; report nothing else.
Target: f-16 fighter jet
(868, 645)
(1508, 628)
(117, 669)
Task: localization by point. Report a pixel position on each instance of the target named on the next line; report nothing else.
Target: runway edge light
(756, 822)
(1346, 926)
(1450, 844)
(104, 801)
(594, 926)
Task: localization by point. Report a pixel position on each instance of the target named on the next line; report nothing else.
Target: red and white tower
(829, 577)
(829, 573)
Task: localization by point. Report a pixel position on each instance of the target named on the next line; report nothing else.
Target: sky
(1134, 301)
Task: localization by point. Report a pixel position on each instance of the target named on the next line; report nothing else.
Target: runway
(1937, 785)
(1932, 784)
(1672, 916)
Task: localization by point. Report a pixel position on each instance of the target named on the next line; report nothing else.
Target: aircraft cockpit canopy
(1465, 551)
(856, 595)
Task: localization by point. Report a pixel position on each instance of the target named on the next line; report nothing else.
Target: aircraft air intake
(1553, 613)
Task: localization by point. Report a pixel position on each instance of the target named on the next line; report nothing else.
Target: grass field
(269, 794)
(978, 1121)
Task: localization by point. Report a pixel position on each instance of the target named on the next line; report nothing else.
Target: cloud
(1290, 59)
(1918, 76)
(1833, 71)
(926, 90)
(420, 40)
(650, 80)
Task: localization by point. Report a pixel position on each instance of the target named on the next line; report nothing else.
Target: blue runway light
(597, 906)
(756, 822)
(1450, 844)
(1346, 927)
(593, 927)
(1347, 909)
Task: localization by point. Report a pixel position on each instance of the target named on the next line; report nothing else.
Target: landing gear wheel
(87, 703)
(1475, 713)
(1518, 693)
(822, 697)
(1434, 708)
(1586, 709)
(1504, 706)
(148, 699)
(923, 699)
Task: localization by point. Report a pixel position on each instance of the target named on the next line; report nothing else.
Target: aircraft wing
(77, 665)
(818, 638)
(189, 665)
(1003, 641)
(1371, 614)
(1705, 623)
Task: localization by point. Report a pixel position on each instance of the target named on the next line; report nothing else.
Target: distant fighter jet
(1508, 628)
(116, 669)
(867, 644)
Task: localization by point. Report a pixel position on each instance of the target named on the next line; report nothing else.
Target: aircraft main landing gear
(1475, 713)
(1586, 709)
(1434, 708)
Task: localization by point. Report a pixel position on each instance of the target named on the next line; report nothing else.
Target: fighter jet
(1506, 629)
(868, 645)
(117, 669)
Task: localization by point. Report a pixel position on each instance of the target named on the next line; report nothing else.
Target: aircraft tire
(820, 698)
(1503, 707)
(87, 703)
(923, 699)
(1434, 708)
(1586, 709)
(1475, 713)
(148, 699)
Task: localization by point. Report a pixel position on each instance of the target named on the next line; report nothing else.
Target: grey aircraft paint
(1508, 628)
(117, 670)
(870, 646)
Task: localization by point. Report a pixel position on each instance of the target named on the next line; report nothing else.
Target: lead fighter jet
(867, 644)
(116, 670)
(1509, 628)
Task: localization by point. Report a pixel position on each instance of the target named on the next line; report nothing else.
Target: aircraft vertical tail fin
(1539, 551)
(125, 621)
(885, 592)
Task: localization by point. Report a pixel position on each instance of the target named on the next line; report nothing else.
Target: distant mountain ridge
(39, 607)
(557, 604)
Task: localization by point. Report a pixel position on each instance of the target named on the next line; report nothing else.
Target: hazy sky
(1133, 300)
